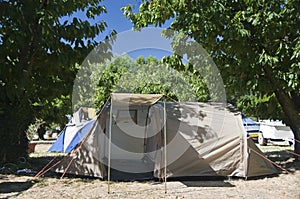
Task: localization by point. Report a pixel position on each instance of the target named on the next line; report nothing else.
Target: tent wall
(79, 134)
(258, 166)
(87, 162)
(202, 140)
(128, 132)
(58, 145)
(70, 133)
(84, 114)
(70, 137)
(153, 132)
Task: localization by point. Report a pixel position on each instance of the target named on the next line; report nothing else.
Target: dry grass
(281, 186)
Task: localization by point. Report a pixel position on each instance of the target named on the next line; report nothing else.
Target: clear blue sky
(116, 21)
(114, 16)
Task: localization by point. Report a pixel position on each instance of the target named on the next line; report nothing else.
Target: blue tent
(65, 142)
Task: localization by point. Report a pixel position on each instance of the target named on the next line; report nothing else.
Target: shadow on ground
(44, 162)
(9, 187)
(204, 181)
(285, 159)
(207, 184)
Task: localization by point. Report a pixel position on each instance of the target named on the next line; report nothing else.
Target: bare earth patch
(281, 186)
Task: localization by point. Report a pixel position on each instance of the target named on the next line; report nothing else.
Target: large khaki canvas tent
(142, 134)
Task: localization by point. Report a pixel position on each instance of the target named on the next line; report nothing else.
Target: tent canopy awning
(135, 99)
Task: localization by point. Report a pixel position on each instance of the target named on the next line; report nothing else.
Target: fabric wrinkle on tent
(195, 139)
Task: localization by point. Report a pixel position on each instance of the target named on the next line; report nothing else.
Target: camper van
(275, 132)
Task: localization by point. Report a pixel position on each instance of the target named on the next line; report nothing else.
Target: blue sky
(116, 21)
(114, 16)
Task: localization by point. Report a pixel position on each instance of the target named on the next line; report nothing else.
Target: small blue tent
(70, 137)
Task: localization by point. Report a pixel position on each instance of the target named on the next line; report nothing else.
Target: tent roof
(135, 99)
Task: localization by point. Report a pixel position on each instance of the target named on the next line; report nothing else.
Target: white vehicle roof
(272, 122)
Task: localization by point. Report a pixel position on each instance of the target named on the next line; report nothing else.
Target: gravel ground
(281, 186)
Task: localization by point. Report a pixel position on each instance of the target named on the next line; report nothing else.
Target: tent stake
(165, 143)
(109, 147)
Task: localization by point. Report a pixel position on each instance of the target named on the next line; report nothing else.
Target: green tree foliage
(255, 44)
(107, 75)
(39, 48)
(122, 74)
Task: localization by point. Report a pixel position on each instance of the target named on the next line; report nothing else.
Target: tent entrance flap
(129, 138)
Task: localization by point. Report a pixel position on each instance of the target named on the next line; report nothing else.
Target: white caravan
(275, 132)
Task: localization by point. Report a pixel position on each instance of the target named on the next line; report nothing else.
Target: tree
(39, 47)
(107, 76)
(156, 77)
(255, 44)
(122, 74)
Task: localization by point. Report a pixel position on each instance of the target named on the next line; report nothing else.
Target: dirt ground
(281, 186)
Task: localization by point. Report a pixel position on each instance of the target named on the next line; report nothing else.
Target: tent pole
(109, 146)
(165, 143)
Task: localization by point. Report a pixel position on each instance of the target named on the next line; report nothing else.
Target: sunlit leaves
(149, 75)
(245, 39)
(38, 52)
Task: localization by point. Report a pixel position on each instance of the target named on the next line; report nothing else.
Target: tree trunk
(290, 106)
(14, 122)
(292, 114)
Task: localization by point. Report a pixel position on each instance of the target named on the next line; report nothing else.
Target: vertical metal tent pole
(165, 150)
(109, 145)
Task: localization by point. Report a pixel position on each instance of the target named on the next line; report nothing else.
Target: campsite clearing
(282, 186)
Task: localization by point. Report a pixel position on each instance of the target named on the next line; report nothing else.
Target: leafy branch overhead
(255, 44)
(123, 74)
(40, 42)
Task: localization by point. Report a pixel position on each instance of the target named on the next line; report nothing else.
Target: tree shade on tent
(195, 139)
